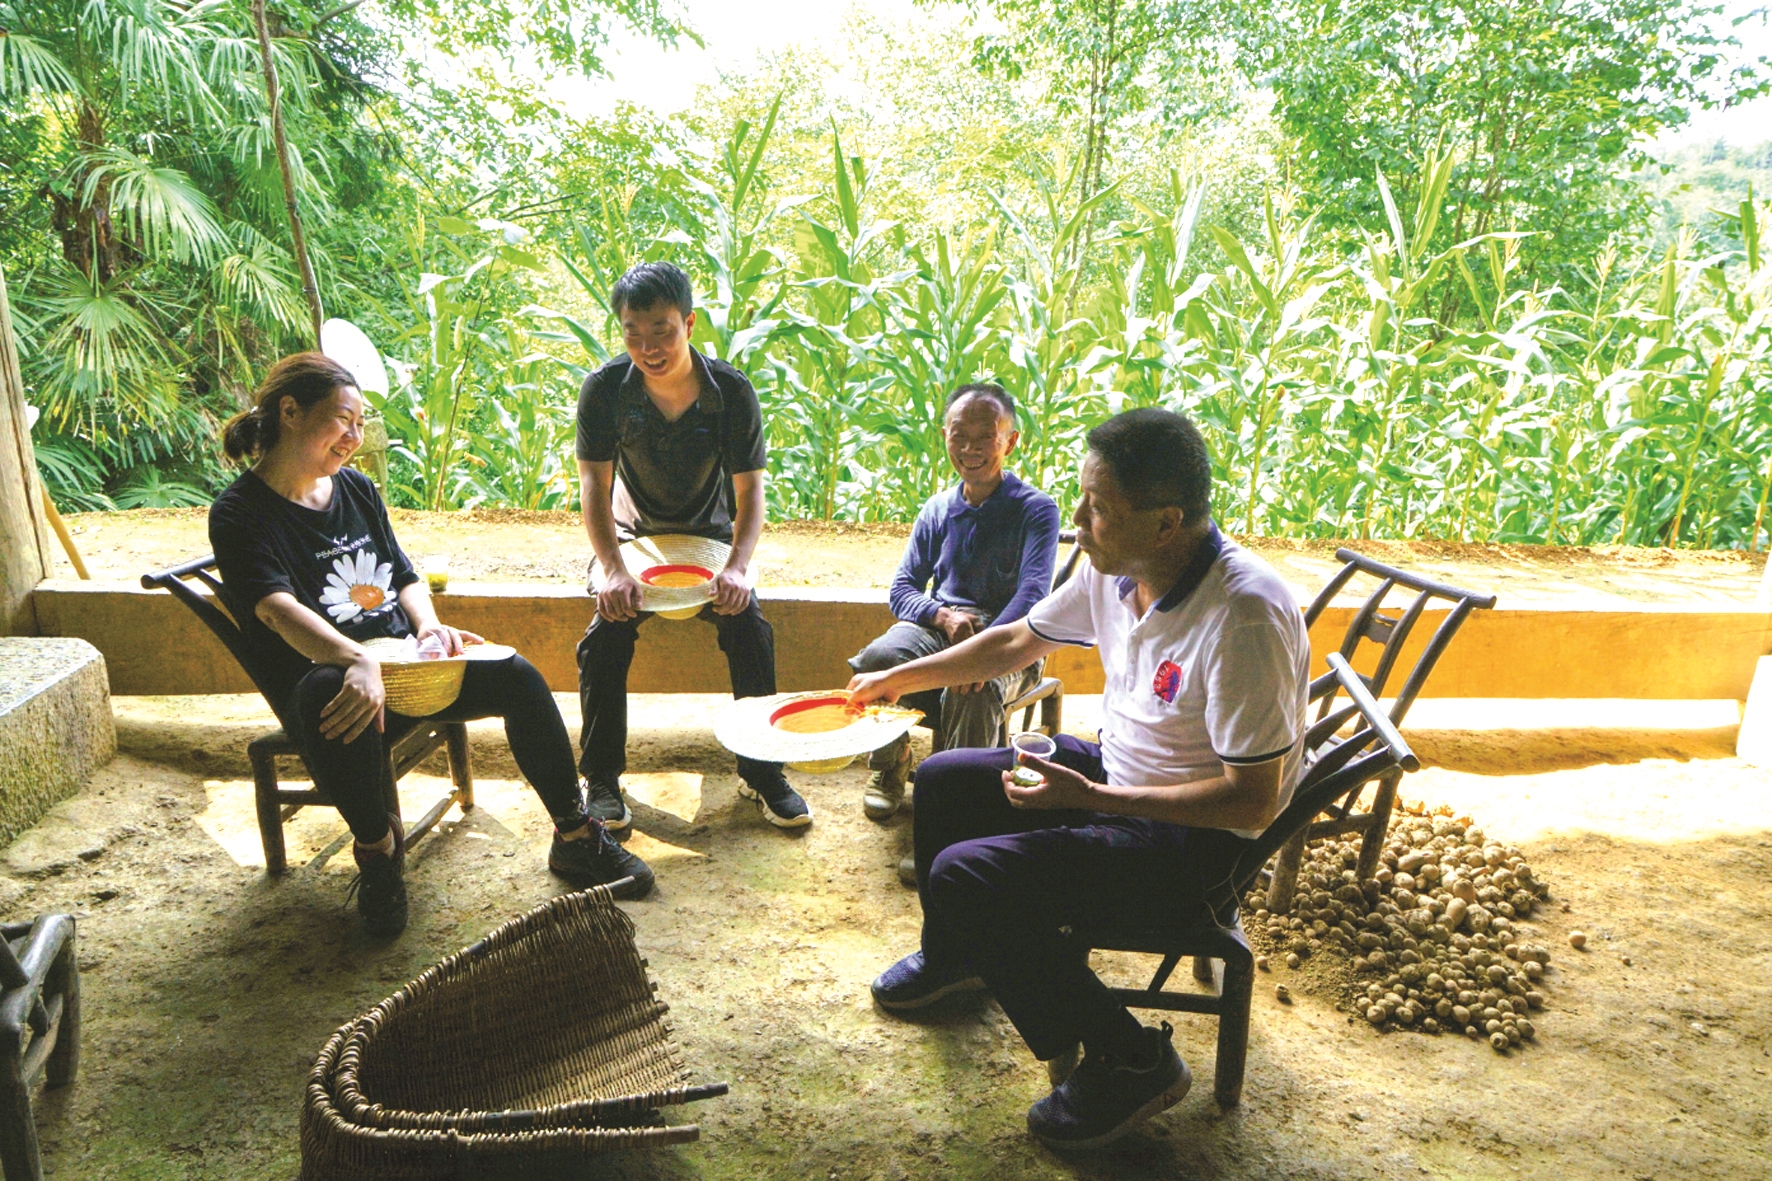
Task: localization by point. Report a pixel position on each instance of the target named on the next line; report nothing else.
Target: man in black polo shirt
(669, 442)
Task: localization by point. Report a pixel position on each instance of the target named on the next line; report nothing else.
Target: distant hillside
(1705, 179)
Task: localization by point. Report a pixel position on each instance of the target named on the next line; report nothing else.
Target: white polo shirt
(1216, 672)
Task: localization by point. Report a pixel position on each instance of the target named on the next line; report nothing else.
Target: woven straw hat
(419, 688)
(675, 572)
(810, 731)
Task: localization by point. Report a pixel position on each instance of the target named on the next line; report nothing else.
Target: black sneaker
(1103, 1099)
(596, 860)
(380, 886)
(780, 802)
(911, 984)
(604, 801)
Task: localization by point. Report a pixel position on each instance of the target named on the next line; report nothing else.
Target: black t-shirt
(672, 477)
(342, 563)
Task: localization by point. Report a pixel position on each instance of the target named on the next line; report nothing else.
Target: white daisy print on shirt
(358, 585)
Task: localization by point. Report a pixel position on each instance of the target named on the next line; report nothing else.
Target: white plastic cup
(436, 571)
(1040, 746)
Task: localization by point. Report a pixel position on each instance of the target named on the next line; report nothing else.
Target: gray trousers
(967, 719)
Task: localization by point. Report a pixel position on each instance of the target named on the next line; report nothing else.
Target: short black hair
(650, 284)
(984, 389)
(1158, 459)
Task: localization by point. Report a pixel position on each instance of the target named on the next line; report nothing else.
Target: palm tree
(138, 94)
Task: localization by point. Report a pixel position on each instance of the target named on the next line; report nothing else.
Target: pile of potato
(1437, 937)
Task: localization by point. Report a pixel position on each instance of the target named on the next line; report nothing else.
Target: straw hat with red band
(810, 731)
(675, 572)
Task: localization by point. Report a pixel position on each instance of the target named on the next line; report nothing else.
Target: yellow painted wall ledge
(153, 645)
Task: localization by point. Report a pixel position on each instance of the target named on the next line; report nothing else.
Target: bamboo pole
(61, 530)
(310, 288)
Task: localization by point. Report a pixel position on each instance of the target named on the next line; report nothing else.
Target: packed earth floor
(208, 987)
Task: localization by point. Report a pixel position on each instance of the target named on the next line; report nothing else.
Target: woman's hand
(1063, 788)
(359, 703)
(451, 638)
(731, 595)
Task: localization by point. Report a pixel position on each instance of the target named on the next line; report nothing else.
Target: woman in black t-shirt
(311, 568)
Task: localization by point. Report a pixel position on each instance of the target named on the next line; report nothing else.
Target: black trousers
(607, 652)
(997, 883)
(350, 773)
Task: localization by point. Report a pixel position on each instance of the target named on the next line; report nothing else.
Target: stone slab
(55, 725)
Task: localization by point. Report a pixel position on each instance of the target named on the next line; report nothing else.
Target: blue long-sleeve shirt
(996, 558)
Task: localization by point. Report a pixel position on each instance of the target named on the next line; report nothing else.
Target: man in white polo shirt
(1207, 664)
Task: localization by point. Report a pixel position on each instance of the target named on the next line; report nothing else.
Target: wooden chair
(39, 1030)
(402, 751)
(1392, 632)
(1335, 766)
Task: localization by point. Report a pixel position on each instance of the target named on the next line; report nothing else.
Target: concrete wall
(153, 645)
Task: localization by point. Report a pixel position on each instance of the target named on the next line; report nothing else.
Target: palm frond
(27, 65)
(257, 278)
(102, 354)
(157, 207)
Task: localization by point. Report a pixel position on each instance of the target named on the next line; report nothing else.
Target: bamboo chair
(401, 751)
(540, 1044)
(39, 1030)
(1335, 766)
(1391, 632)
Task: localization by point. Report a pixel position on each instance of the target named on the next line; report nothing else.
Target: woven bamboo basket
(541, 1043)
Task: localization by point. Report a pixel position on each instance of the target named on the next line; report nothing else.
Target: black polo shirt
(672, 477)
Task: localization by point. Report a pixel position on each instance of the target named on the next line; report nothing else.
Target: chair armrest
(1040, 692)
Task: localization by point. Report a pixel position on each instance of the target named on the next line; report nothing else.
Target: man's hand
(1064, 788)
(731, 595)
(452, 638)
(358, 703)
(619, 600)
(956, 625)
(867, 688)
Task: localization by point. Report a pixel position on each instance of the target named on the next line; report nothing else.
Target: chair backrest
(1062, 574)
(222, 623)
(1390, 631)
(1335, 766)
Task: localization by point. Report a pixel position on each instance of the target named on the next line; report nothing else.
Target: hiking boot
(911, 984)
(1105, 1098)
(380, 886)
(885, 791)
(596, 860)
(779, 802)
(604, 801)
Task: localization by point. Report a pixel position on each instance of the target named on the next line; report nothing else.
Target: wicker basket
(541, 1042)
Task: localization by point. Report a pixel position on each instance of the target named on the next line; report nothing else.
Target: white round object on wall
(345, 343)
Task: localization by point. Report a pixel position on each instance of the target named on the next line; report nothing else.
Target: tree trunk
(309, 286)
(24, 533)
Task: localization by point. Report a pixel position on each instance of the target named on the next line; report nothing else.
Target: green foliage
(1541, 104)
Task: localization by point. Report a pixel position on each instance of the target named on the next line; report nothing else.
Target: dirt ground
(209, 988)
(512, 546)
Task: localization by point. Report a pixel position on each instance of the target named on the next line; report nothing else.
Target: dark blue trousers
(998, 882)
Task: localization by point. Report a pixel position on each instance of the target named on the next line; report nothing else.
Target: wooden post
(309, 286)
(25, 556)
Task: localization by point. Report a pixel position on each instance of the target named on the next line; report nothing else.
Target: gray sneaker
(885, 791)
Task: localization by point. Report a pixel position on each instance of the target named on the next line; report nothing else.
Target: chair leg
(1373, 844)
(461, 767)
(1052, 712)
(1233, 1032)
(18, 1129)
(390, 787)
(1280, 890)
(1203, 969)
(64, 978)
(270, 811)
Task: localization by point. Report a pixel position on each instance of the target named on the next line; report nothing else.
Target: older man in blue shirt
(980, 555)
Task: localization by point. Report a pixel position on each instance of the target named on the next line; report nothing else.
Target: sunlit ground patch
(675, 792)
